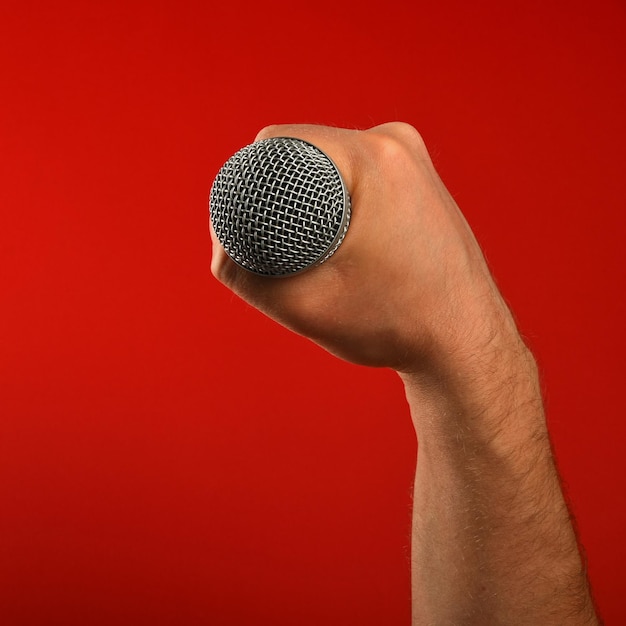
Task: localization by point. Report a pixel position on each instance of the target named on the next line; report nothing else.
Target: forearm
(492, 536)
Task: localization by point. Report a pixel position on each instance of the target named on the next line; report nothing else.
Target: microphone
(279, 207)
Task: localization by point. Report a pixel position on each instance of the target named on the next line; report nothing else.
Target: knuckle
(391, 153)
(397, 144)
(399, 140)
(407, 132)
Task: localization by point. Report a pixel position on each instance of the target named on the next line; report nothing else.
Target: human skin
(409, 289)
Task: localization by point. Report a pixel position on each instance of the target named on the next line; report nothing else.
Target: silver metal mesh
(279, 206)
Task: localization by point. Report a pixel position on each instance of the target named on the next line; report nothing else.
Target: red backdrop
(168, 455)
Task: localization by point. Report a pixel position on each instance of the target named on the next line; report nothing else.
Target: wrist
(479, 379)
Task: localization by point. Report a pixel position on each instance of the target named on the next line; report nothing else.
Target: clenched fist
(408, 284)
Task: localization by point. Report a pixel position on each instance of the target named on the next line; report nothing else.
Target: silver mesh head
(279, 206)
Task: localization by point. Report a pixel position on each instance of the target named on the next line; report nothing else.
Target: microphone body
(279, 207)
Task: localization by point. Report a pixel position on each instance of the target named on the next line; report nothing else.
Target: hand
(409, 281)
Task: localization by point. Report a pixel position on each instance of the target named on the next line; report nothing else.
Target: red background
(168, 455)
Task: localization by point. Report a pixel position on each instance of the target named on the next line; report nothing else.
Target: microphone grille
(279, 206)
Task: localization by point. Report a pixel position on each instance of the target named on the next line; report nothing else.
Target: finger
(339, 144)
(222, 267)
